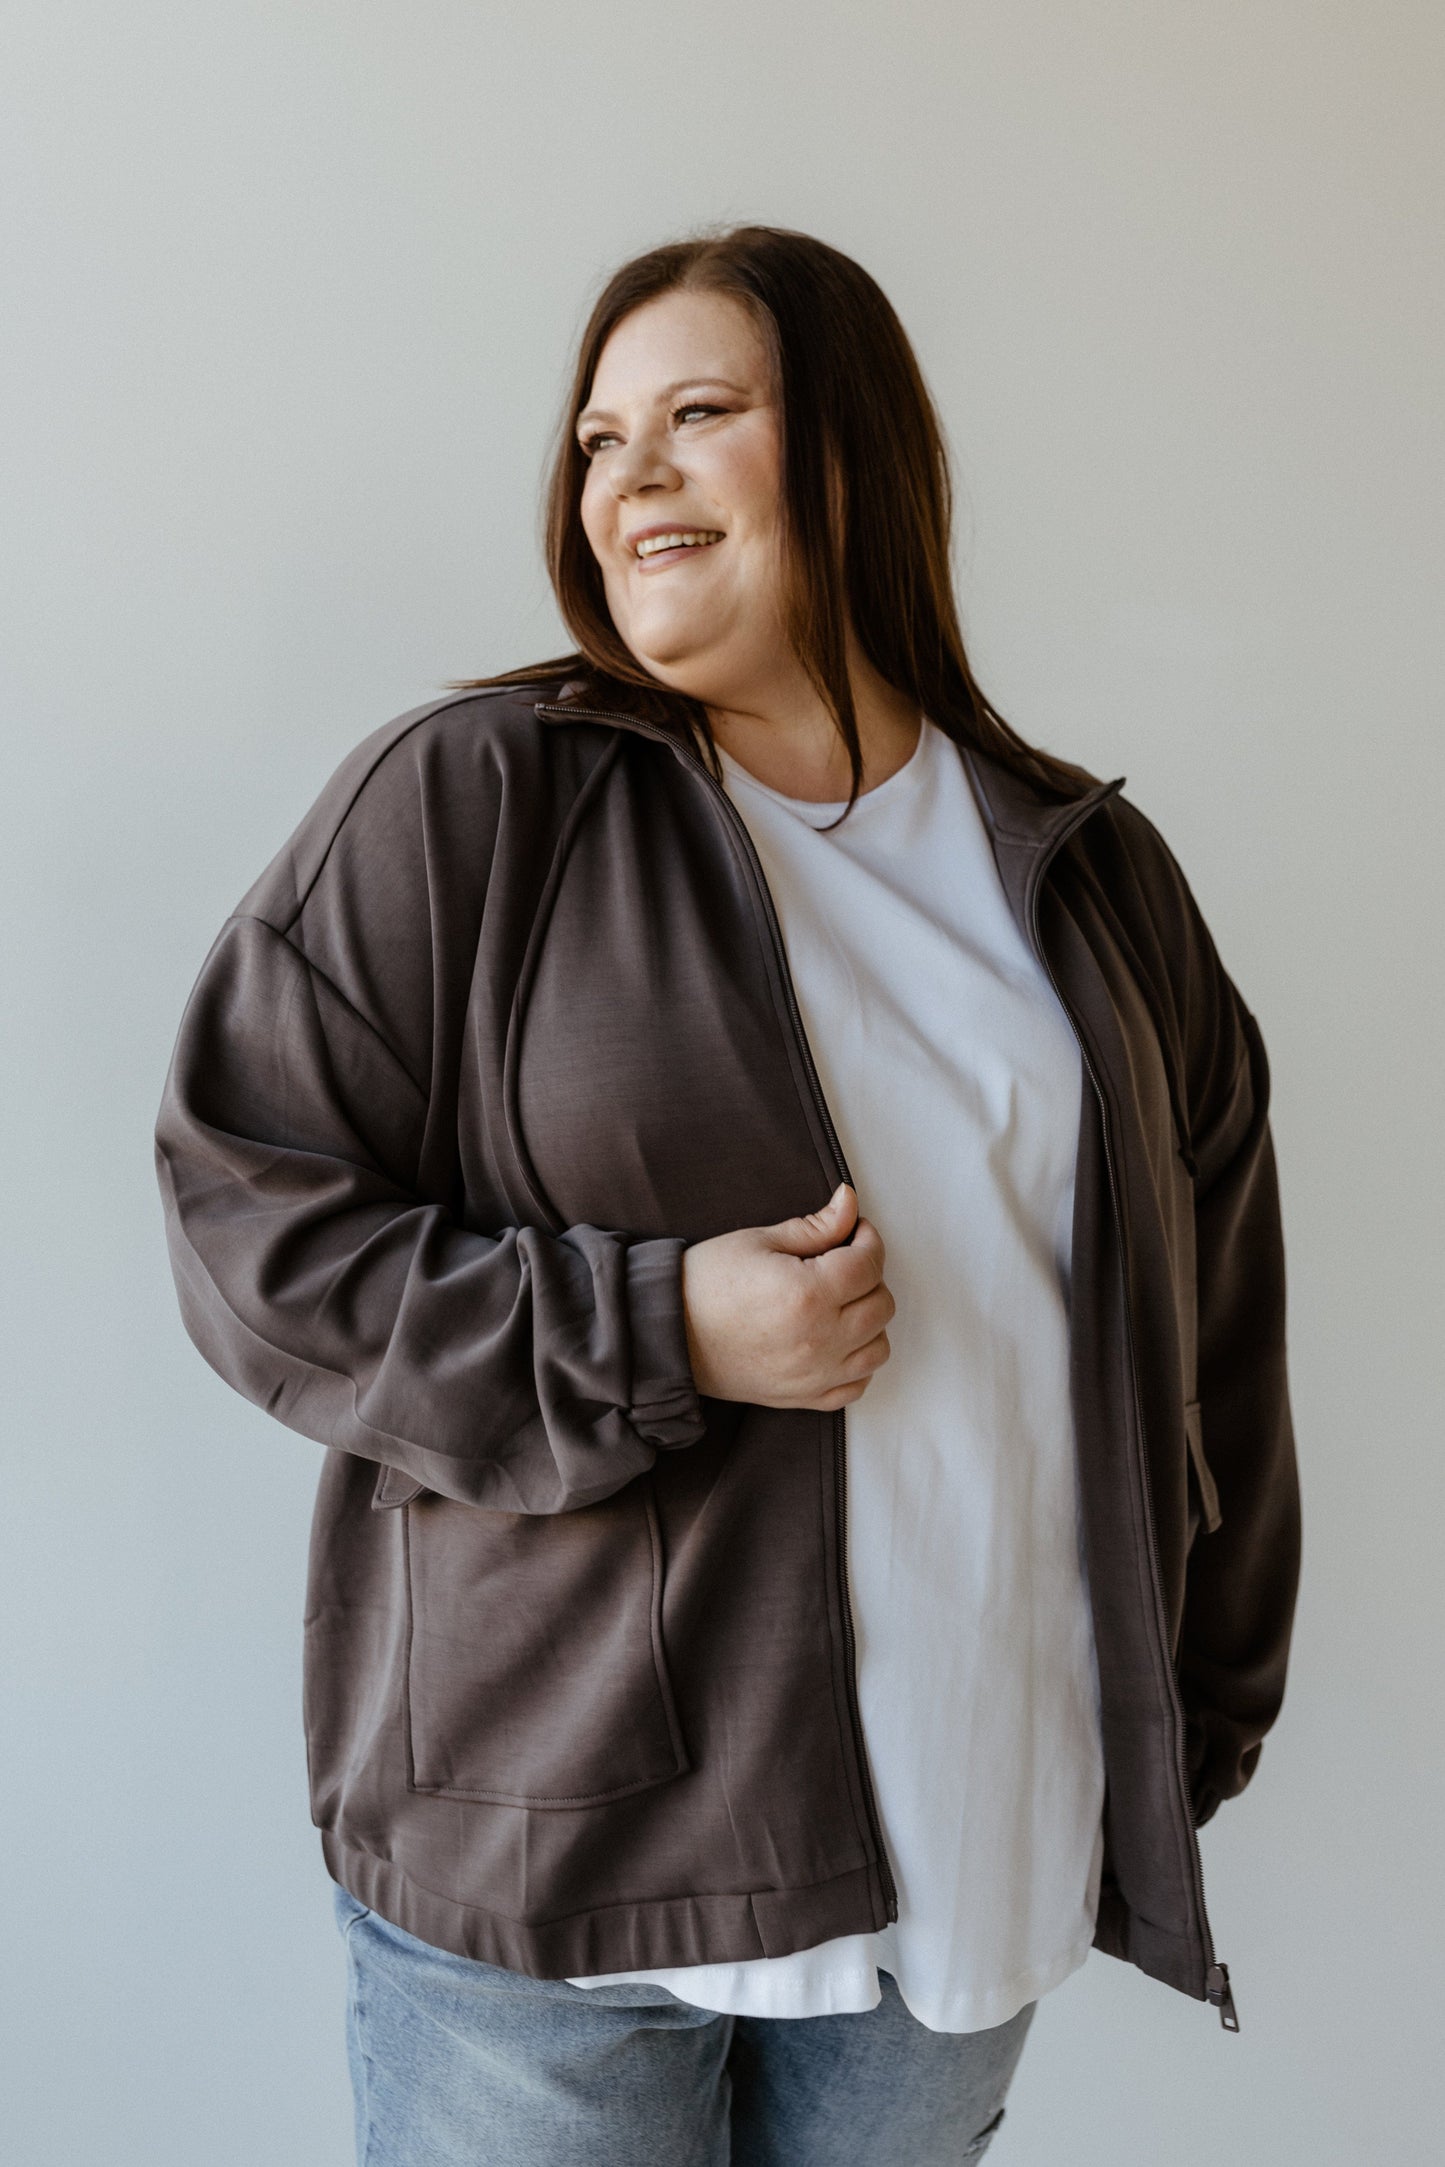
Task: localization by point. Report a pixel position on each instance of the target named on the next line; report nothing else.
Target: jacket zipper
(840, 1474)
(1217, 1989)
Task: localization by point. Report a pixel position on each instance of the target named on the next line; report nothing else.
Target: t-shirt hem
(982, 2012)
(855, 1990)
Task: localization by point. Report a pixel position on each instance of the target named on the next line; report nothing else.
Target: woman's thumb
(813, 1231)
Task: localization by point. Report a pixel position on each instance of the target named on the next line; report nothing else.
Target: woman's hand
(790, 1315)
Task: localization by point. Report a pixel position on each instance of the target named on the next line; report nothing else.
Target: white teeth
(684, 538)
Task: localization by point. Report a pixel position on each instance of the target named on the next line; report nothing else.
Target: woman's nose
(642, 464)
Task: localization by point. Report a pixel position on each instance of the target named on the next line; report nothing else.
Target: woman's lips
(661, 557)
(666, 545)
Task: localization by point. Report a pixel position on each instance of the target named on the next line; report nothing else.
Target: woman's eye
(599, 437)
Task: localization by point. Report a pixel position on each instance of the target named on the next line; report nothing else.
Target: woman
(740, 1683)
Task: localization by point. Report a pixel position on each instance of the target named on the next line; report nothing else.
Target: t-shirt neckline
(824, 807)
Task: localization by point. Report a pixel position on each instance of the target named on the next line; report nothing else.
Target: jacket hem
(647, 1934)
(1176, 1959)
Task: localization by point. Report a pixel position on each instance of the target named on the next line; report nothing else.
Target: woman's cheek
(589, 511)
(615, 589)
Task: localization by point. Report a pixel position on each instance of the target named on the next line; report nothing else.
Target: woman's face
(682, 435)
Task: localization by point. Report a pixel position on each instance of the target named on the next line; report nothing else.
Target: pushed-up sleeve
(515, 1368)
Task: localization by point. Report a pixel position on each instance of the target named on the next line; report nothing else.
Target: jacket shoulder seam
(244, 917)
(383, 753)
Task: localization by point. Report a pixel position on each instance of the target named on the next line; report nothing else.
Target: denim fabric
(456, 2063)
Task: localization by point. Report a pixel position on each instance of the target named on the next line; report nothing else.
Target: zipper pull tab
(1220, 1995)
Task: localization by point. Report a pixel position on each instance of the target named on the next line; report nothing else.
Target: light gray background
(289, 293)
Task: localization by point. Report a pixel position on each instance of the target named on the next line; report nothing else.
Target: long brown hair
(853, 405)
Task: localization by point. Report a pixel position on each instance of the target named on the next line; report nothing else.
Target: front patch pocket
(535, 1667)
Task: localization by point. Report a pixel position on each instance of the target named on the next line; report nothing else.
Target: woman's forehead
(679, 340)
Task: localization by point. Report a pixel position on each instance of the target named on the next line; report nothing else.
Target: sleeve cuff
(665, 1407)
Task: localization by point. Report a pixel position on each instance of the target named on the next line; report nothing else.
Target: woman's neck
(786, 737)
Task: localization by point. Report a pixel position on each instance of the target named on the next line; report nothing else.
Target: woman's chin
(673, 652)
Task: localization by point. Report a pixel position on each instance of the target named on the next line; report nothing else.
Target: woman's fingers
(853, 1277)
(865, 1359)
(861, 1319)
(768, 1321)
(842, 1395)
(852, 1268)
(858, 1374)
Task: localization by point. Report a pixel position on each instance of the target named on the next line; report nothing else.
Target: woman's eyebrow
(668, 391)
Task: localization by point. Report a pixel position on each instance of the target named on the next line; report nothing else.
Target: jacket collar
(1026, 822)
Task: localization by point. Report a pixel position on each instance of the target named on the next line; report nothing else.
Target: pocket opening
(1208, 1493)
(394, 1487)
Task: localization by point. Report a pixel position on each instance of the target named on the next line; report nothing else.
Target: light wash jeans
(455, 2063)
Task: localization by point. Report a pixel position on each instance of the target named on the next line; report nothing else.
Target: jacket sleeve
(514, 1368)
(1242, 1577)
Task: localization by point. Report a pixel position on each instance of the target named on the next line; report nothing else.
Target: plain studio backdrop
(289, 292)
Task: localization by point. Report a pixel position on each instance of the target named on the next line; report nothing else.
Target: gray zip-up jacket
(506, 1025)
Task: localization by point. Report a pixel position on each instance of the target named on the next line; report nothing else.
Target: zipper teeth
(1184, 1818)
(840, 1481)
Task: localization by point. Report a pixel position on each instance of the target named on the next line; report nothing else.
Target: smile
(676, 541)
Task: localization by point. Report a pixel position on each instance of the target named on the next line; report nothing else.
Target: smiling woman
(745, 388)
(739, 1684)
(685, 478)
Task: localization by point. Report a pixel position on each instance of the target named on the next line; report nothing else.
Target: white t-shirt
(954, 1082)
